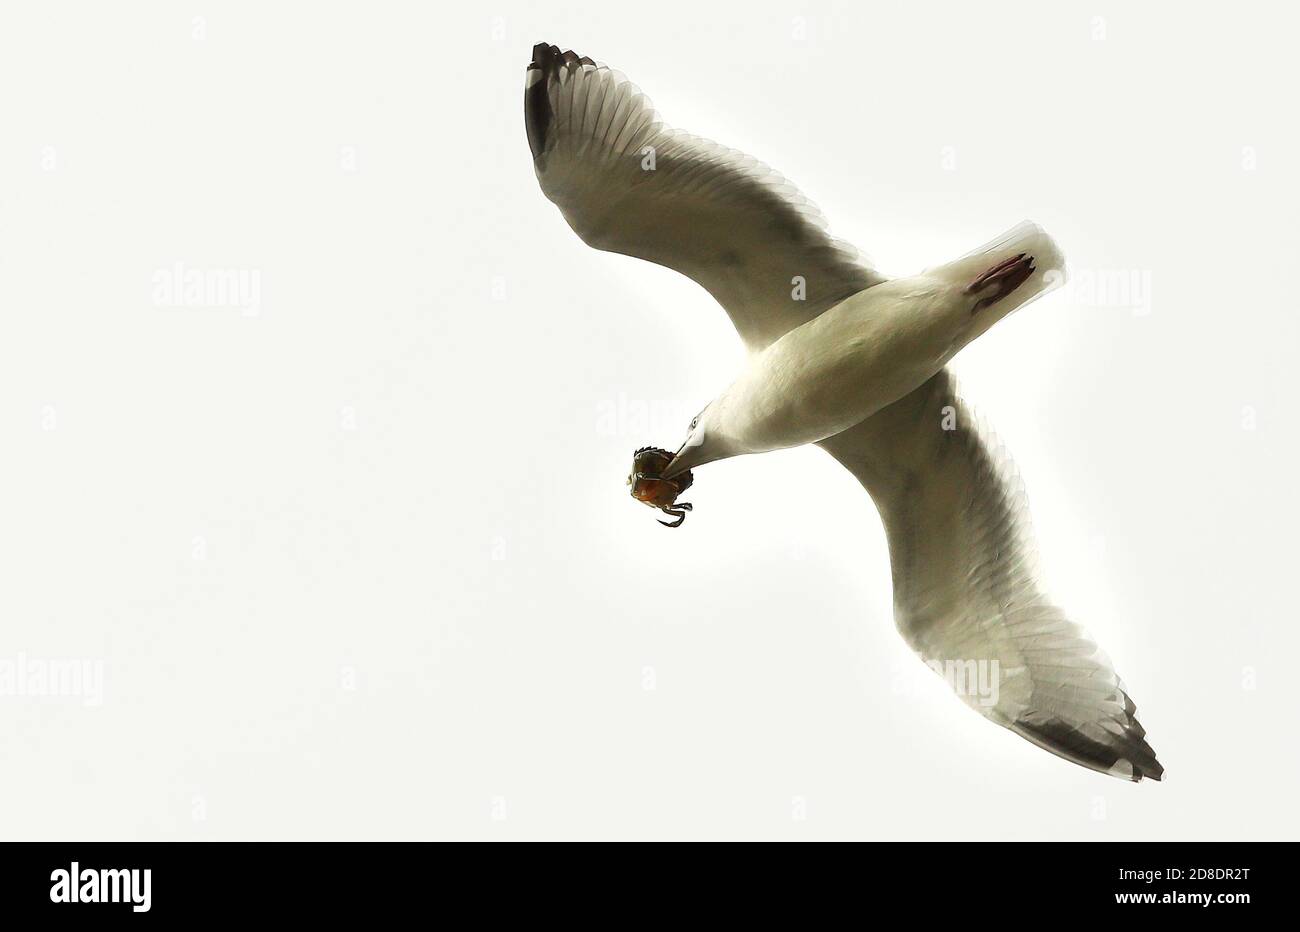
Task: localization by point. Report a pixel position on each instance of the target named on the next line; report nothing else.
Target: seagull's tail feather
(988, 270)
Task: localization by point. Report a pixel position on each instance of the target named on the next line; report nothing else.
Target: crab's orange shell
(657, 493)
(649, 486)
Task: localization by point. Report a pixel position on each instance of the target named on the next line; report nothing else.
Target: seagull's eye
(695, 422)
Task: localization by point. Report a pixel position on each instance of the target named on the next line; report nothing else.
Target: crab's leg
(679, 515)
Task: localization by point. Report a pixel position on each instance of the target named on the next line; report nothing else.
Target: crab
(651, 488)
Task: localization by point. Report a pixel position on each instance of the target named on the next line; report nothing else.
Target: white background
(362, 564)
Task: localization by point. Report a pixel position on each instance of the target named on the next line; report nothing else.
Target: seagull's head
(651, 488)
(705, 442)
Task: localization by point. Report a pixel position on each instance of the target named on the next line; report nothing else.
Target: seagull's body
(867, 352)
(857, 365)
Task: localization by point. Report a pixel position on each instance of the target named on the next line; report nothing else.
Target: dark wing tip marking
(547, 60)
(1127, 752)
(537, 105)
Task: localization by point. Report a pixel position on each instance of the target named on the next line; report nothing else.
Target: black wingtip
(547, 61)
(537, 105)
(543, 54)
(1128, 756)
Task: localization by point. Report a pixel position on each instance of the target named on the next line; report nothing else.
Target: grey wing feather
(966, 587)
(627, 183)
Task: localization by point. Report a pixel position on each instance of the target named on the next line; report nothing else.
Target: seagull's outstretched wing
(966, 594)
(627, 183)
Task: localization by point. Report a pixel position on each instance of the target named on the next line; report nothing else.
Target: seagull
(856, 363)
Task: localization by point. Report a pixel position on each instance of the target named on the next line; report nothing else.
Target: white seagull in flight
(842, 357)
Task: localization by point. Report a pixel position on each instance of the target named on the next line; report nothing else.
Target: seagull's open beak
(688, 457)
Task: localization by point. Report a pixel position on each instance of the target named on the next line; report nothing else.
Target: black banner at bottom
(207, 880)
